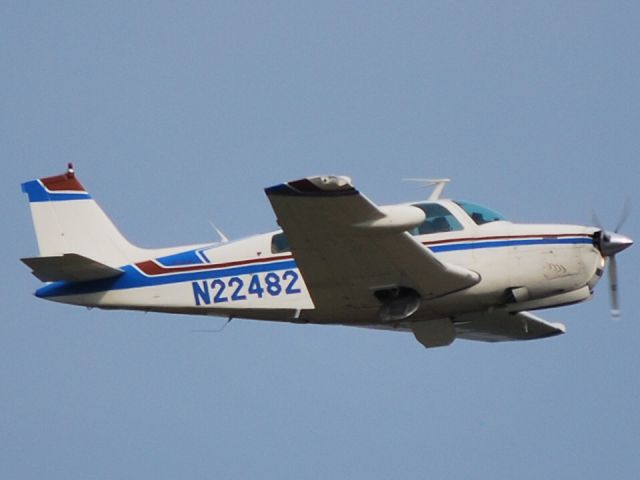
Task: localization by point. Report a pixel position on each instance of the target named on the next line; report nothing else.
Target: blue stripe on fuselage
(190, 257)
(509, 243)
(132, 278)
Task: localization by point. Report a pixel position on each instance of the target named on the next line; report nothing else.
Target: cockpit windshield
(437, 220)
(479, 214)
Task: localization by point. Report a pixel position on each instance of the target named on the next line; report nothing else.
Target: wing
(347, 248)
(501, 326)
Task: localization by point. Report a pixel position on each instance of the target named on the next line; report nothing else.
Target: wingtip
(322, 185)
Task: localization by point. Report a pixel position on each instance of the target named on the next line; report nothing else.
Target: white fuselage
(521, 266)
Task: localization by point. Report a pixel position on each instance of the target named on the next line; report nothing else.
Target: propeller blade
(613, 287)
(610, 243)
(626, 210)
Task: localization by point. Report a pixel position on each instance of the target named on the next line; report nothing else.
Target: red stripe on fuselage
(151, 267)
(505, 237)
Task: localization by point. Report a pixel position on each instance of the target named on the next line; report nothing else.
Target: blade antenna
(213, 330)
(438, 183)
(223, 237)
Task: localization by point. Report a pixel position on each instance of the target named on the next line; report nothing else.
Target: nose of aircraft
(611, 243)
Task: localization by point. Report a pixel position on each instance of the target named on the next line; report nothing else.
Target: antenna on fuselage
(214, 330)
(437, 183)
(223, 237)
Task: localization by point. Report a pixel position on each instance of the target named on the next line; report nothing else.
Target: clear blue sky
(178, 113)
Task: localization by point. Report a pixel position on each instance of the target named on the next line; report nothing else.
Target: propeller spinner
(610, 244)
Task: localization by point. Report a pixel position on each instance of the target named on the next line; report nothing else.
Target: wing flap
(501, 326)
(69, 267)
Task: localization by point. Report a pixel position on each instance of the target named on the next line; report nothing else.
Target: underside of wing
(69, 267)
(349, 250)
(496, 326)
(500, 326)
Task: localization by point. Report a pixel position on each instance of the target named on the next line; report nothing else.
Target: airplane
(441, 268)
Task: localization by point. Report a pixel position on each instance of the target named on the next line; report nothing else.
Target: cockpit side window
(479, 214)
(280, 243)
(438, 220)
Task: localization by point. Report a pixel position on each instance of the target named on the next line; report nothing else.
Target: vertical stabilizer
(68, 220)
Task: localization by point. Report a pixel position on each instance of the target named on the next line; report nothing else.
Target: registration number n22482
(233, 289)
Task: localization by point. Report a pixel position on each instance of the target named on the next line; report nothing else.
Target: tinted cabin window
(438, 220)
(479, 214)
(279, 243)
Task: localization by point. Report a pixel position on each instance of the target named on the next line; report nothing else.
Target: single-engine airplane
(442, 269)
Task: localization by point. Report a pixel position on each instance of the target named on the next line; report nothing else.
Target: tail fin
(68, 220)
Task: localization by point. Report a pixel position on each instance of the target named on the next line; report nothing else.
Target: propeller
(611, 243)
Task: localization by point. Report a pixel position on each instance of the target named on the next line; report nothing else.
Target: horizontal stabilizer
(69, 267)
